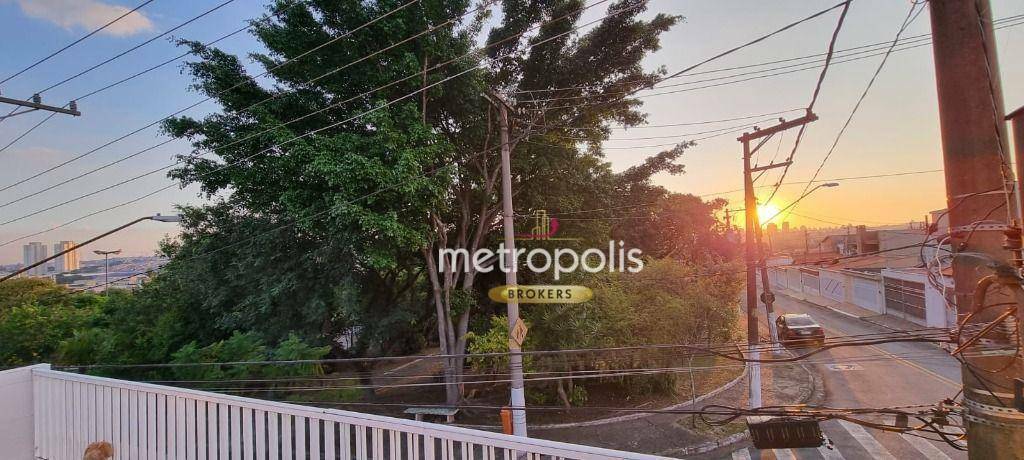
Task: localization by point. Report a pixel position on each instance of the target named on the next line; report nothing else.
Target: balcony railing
(52, 415)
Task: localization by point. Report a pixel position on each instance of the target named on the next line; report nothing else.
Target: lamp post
(157, 217)
(106, 265)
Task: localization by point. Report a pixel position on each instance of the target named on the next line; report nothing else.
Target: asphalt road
(883, 375)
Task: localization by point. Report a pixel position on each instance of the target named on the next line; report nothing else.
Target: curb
(815, 392)
(866, 319)
(624, 418)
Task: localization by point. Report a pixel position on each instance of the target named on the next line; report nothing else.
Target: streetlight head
(171, 218)
(830, 184)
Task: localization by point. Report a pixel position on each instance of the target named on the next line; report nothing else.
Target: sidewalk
(853, 311)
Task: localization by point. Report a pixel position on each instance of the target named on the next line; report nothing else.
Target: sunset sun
(766, 211)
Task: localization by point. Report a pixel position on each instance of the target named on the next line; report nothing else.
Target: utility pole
(36, 103)
(515, 361)
(978, 182)
(753, 251)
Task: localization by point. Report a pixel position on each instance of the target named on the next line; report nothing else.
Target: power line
(313, 132)
(83, 38)
(878, 70)
(211, 97)
(836, 179)
(838, 340)
(150, 69)
(915, 41)
(140, 45)
(814, 96)
(154, 171)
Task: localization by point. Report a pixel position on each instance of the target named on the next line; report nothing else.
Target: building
(32, 253)
(66, 262)
(894, 248)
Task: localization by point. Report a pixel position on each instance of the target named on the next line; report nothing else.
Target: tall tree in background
(320, 186)
(333, 197)
(566, 82)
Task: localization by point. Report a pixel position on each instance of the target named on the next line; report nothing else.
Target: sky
(895, 130)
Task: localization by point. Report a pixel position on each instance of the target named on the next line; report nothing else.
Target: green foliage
(662, 304)
(495, 340)
(332, 395)
(22, 291)
(31, 333)
(578, 396)
(246, 348)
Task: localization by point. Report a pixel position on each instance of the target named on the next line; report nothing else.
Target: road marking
(783, 454)
(741, 454)
(926, 448)
(919, 367)
(870, 444)
(930, 373)
(830, 454)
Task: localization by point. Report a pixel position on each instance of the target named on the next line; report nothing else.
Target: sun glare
(766, 211)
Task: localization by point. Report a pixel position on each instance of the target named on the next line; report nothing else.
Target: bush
(32, 333)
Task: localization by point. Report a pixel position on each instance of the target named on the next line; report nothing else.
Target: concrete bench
(447, 412)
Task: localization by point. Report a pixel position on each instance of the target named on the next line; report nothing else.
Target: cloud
(87, 15)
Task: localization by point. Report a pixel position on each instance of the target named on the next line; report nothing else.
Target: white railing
(68, 411)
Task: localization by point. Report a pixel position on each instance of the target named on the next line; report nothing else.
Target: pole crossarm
(36, 104)
(771, 166)
(757, 134)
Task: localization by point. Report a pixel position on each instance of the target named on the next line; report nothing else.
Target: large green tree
(333, 190)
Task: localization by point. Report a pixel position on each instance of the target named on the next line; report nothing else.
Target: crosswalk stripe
(923, 446)
(870, 444)
(830, 454)
(783, 454)
(741, 454)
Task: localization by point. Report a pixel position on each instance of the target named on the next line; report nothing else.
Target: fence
(899, 292)
(63, 412)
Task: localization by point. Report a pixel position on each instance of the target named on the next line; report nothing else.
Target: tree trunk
(562, 395)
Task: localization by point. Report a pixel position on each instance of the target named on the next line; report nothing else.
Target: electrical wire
(135, 75)
(922, 39)
(911, 16)
(716, 350)
(814, 97)
(333, 105)
(277, 66)
(79, 40)
(140, 45)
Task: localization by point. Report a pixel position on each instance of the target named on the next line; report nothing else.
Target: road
(874, 376)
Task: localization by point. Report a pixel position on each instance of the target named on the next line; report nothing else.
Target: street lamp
(106, 265)
(826, 184)
(158, 217)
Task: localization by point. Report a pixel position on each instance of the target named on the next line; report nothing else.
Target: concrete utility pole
(753, 251)
(515, 361)
(978, 178)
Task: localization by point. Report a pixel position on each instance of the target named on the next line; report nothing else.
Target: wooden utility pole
(515, 359)
(979, 186)
(754, 253)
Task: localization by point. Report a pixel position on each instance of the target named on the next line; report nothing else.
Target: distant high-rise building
(785, 226)
(66, 262)
(34, 252)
